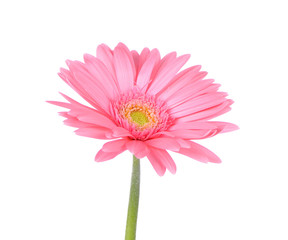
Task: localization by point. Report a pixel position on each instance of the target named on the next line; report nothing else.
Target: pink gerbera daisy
(142, 103)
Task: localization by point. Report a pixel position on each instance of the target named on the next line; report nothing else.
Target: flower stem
(133, 201)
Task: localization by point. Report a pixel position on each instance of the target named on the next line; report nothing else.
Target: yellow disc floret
(139, 118)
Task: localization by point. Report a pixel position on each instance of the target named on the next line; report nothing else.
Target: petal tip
(68, 62)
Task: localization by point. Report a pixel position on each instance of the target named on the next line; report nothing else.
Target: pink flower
(142, 103)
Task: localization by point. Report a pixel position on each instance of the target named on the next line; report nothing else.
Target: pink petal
(75, 103)
(207, 114)
(226, 127)
(115, 145)
(163, 134)
(60, 104)
(156, 163)
(166, 73)
(182, 80)
(143, 57)
(111, 150)
(188, 93)
(200, 130)
(199, 153)
(104, 156)
(124, 66)
(221, 126)
(145, 73)
(164, 63)
(192, 125)
(74, 122)
(195, 134)
(95, 132)
(102, 75)
(183, 143)
(135, 56)
(209, 89)
(96, 119)
(120, 132)
(138, 148)
(85, 114)
(105, 54)
(164, 143)
(198, 104)
(164, 158)
(189, 125)
(67, 76)
(89, 85)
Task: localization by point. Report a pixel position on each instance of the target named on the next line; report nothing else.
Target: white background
(50, 186)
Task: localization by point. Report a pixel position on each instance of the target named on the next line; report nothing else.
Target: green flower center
(139, 117)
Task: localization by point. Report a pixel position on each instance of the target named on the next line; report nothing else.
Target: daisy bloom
(144, 104)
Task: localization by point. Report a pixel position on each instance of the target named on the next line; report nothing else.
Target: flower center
(141, 114)
(139, 117)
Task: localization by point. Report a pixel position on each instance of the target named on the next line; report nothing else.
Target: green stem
(133, 201)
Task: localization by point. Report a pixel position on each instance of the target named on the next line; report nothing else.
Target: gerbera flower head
(142, 103)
